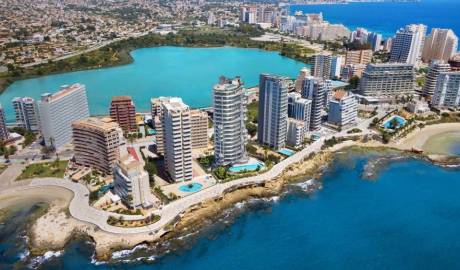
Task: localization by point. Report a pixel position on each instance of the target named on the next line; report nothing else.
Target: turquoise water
(286, 152)
(386, 18)
(193, 187)
(406, 218)
(169, 71)
(401, 122)
(246, 167)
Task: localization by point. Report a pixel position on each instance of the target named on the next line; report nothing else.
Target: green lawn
(49, 169)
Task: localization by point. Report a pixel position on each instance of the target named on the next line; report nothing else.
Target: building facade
(315, 90)
(96, 143)
(230, 134)
(273, 103)
(441, 44)
(358, 57)
(199, 122)
(435, 68)
(295, 132)
(447, 92)
(408, 44)
(343, 109)
(131, 181)
(57, 112)
(123, 111)
(26, 112)
(386, 81)
(300, 109)
(177, 138)
(321, 66)
(4, 134)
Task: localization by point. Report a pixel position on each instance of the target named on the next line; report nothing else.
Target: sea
(374, 211)
(387, 17)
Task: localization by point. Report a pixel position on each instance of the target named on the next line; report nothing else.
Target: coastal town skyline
(147, 125)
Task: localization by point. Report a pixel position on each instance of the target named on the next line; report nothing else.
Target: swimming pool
(399, 122)
(192, 187)
(246, 167)
(286, 152)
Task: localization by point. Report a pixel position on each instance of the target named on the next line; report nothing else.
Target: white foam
(123, 253)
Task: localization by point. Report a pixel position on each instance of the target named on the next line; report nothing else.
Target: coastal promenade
(81, 209)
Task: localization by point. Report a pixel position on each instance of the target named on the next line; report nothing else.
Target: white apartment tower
(447, 92)
(343, 109)
(230, 134)
(299, 108)
(273, 114)
(4, 134)
(177, 139)
(436, 67)
(441, 44)
(408, 44)
(26, 112)
(58, 111)
(315, 89)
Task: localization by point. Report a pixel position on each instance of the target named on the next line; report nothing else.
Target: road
(80, 208)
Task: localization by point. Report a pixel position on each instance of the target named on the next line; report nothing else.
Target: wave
(126, 252)
(45, 257)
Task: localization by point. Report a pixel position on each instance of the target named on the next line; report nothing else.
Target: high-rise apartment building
(199, 122)
(408, 44)
(272, 123)
(386, 81)
(435, 68)
(304, 72)
(123, 111)
(295, 132)
(375, 40)
(57, 112)
(230, 134)
(321, 66)
(363, 57)
(300, 109)
(441, 44)
(131, 181)
(4, 134)
(315, 89)
(177, 139)
(336, 66)
(447, 92)
(343, 109)
(26, 111)
(96, 143)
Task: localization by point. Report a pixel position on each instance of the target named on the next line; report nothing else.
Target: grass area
(133, 223)
(117, 53)
(49, 169)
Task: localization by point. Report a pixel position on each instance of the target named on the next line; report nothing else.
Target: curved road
(80, 209)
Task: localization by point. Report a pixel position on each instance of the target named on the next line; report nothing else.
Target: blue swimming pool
(286, 152)
(192, 187)
(399, 122)
(246, 167)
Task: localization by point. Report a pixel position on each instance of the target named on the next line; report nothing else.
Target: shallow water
(446, 143)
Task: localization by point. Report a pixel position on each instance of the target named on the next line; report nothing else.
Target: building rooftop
(122, 98)
(103, 124)
(65, 90)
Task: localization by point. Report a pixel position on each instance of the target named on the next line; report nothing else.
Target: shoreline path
(81, 210)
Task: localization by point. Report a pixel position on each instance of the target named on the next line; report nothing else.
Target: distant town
(136, 171)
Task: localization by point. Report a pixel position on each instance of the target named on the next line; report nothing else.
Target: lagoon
(189, 73)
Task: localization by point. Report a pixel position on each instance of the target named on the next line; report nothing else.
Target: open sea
(406, 217)
(386, 18)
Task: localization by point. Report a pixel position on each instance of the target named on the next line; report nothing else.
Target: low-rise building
(343, 109)
(295, 132)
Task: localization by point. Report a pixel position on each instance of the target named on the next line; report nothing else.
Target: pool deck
(205, 180)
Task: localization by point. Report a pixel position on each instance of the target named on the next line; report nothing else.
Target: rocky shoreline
(53, 230)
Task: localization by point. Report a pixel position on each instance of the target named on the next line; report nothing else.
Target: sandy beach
(418, 139)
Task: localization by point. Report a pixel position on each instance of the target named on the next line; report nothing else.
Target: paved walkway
(80, 209)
